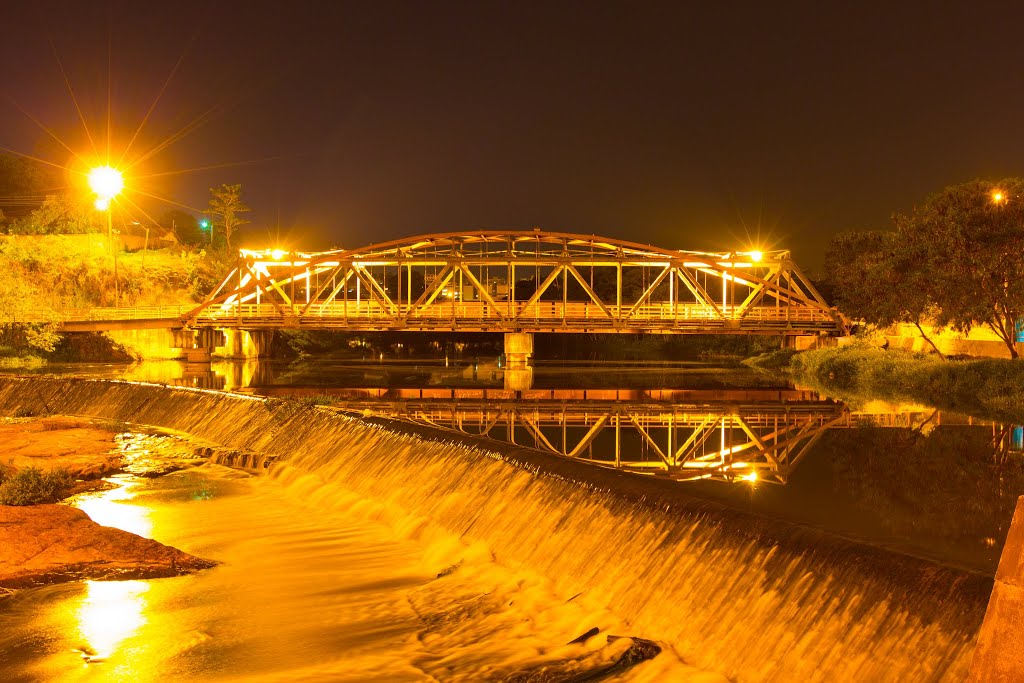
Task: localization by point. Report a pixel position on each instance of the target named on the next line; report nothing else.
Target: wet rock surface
(86, 450)
(154, 455)
(41, 544)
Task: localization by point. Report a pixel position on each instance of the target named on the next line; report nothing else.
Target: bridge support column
(518, 348)
(260, 343)
(997, 655)
(198, 345)
(518, 353)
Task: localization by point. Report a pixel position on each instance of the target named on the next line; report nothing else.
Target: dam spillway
(728, 591)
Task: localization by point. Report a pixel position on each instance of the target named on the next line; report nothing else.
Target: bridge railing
(570, 313)
(98, 314)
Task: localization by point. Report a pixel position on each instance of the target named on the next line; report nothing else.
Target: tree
(184, 225)
(971, 240)
(225, 205)
(957, 260)
(874, 279)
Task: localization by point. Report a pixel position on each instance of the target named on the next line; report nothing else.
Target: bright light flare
(102, 203)
(752, 476)
(756, 256)
(998, 197)
(106, 182)
(277, 254)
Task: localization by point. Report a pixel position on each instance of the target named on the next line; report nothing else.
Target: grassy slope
(990, 388)
(54, 273)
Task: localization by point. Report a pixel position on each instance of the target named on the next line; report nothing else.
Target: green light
(204, 224)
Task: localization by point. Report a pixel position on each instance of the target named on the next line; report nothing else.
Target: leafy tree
(225, 205)
(957, 260)
(874, 279)
(969, 240)
(21, 177)
(185, 226)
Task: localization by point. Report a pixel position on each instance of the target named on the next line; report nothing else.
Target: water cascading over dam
(728, 591)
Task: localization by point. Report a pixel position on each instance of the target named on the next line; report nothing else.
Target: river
(368, 552)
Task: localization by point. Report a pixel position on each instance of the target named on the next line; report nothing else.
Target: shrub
(321, 400)
(31, 486)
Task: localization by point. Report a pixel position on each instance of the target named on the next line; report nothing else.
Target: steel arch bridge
(519, 281)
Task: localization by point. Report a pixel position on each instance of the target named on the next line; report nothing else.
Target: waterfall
(750, 597)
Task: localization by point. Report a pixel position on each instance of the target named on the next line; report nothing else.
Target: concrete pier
(518, 348)
(997, 657)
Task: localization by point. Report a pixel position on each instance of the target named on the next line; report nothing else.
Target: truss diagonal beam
(650, 290)
(590, 292)
(589, 437)
(555, 272)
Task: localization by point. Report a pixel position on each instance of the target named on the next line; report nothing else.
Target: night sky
(685, 125)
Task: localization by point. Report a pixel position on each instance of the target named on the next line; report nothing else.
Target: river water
(366, 552)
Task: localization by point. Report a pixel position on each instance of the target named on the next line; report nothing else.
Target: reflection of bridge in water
(759, 434)
(679, 434)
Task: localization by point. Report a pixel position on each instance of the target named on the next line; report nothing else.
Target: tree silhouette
(225, 205)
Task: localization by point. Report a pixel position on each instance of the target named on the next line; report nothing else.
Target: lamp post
(107, 183)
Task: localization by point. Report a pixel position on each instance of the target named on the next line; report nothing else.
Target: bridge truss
(531, 281)
(677, 439)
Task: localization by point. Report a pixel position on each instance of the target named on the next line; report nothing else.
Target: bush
(988, 388)
(31, 486)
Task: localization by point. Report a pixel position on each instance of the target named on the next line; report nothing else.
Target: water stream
(333, 539)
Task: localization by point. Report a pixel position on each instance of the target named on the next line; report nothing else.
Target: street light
(107, 183)
(998, 197)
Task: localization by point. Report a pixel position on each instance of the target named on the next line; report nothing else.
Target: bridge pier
(198, 345)
(518, 348)
(518, 354)
(249, 344)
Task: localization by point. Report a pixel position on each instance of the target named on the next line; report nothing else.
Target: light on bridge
(756, 256)
(277, 254)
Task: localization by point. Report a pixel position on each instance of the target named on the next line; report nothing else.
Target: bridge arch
(519, 281)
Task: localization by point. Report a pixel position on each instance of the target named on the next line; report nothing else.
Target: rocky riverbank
(50, 543)
(53, 543)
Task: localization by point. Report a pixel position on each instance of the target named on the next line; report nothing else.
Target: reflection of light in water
(110, 612)
(109, 508)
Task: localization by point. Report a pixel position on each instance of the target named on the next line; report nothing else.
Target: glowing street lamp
(998, 197)
(107, 183)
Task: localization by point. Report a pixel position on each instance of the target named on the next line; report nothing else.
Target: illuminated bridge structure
(681, 434)
(518, 282)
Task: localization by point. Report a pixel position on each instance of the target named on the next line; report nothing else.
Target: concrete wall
(980, 341)
(148, 344)
(999, 655)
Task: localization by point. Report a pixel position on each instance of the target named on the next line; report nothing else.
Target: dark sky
(687, 125)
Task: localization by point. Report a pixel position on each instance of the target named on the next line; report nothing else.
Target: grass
(32, 486)
(988, 388)
(320, 400)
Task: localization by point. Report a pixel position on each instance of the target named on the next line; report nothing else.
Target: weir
(729, 591)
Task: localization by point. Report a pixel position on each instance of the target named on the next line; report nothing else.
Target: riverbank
(985, 388)
(44, 460)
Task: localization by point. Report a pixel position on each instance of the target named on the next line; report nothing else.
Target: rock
(42, 544)
(85, 450)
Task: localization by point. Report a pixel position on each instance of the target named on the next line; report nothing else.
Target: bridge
(517, 282)
(528, 281)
